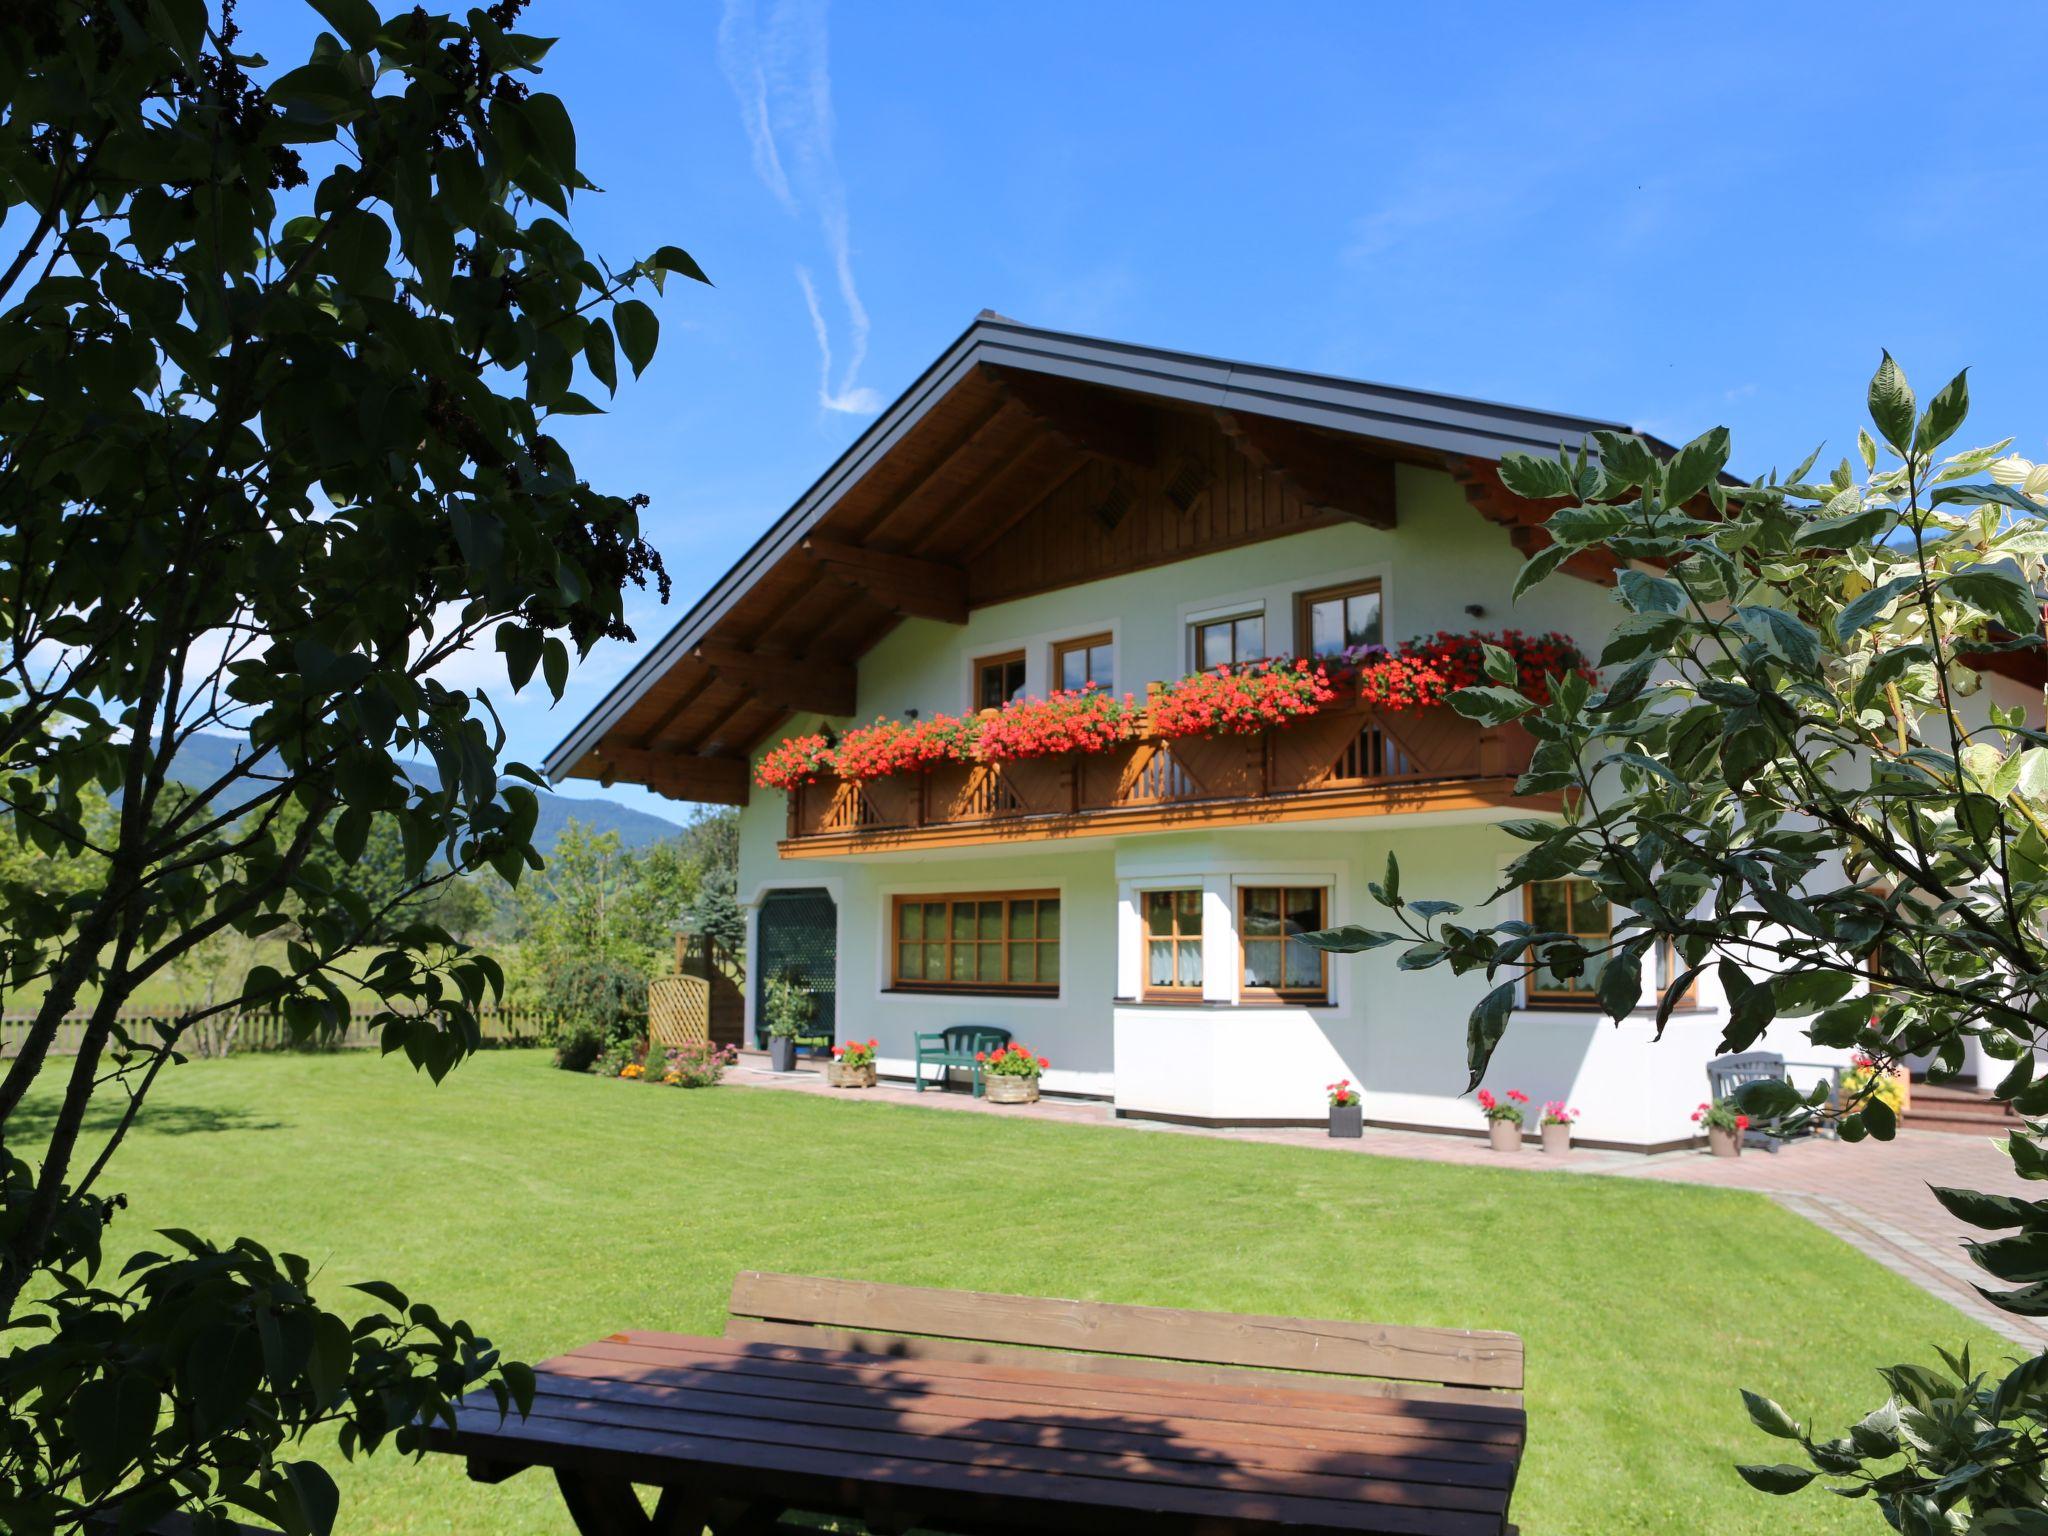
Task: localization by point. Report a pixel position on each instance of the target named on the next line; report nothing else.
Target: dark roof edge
(1445, 423)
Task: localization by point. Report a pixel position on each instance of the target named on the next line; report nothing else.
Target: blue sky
(1677, 216)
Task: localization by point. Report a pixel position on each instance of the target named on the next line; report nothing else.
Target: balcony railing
(1345, 761)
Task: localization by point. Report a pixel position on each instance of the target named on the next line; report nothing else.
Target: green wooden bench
(956, 1046)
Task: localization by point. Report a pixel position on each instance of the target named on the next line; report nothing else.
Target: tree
(1793, 774)
(282, 353)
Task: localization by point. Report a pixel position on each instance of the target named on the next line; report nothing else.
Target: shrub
(696, 1065)
(596, 1004)
(789, 1007)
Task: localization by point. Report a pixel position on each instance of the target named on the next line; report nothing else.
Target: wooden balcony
(1346, 761)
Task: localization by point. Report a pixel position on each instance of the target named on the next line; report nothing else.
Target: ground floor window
(1576, 907)
(984, 942)
(1173, 944)
(1276, 965)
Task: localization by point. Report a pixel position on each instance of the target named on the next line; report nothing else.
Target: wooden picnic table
(737, 1431)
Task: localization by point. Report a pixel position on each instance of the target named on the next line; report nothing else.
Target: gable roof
(1415, 425)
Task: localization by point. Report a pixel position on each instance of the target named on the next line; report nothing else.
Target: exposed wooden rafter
(808, 683)
(906, 584)
(678, 775)
(1096, 421)
(1324, 472)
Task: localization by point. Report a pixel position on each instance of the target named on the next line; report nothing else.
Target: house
(1045, 512)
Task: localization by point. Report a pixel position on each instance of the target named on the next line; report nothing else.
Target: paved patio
(1873, 1195)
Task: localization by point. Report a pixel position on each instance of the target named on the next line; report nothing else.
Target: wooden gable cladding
(1203, 493)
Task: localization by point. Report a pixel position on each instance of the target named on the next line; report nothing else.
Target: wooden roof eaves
(1414, 418)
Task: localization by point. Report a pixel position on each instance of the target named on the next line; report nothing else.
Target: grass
(550, 1208)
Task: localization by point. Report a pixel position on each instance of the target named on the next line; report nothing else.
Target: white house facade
(1043, 512)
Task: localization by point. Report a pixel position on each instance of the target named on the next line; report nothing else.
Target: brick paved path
(1873, 1195)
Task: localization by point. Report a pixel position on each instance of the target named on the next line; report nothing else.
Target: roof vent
(1116, 501)
(1189, 481)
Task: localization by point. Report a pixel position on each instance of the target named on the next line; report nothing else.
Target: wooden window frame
(950, 899)
(1665, 968)
(1198, 663)
(1304, 632)
(1062, 649)
(1179, 992)
(1299, 996)
(983, 663)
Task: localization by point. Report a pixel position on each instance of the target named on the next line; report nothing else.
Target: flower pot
(1001, 1088)
(781, 1053)
(840, 1075)
(1347, 1121)
(1557, 1138)
(1723, 1142)
(1505, 1135)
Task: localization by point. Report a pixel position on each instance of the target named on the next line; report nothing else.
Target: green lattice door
(798, 931)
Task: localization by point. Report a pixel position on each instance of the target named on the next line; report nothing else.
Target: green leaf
(1992, 1212)
(673, 258)
(1694, 465)
(1944, 413)
(1621, 984)
(599, 357)
(1651, 594)
(1844, 532)
(1769, 1417)
(1483, 1030)
(638, 331)
(355, 20)
(1350, 939)
(1490, 706)
(1538, 567)
(1865, 608)
(1892, 404)
(1777, 1479)
(2002, 591)
(1783, 634)
(1536, 478)
(1500, 666)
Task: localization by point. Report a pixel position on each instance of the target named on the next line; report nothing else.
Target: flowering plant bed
(1342, 1094)
(1425, 672)
(1238, 701)
(852, 1065)
(793, 763)
(1090, 720)
(698, 1064)
(890, 747)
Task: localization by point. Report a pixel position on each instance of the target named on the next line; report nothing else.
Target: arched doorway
(798, 931)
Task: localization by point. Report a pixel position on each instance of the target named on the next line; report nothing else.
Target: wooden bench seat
(1446, 1365)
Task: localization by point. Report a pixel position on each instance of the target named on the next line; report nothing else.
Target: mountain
(202, 759)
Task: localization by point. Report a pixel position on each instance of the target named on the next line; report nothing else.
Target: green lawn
(549, 1208)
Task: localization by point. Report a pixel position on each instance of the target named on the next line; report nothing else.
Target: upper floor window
(1276, 965)
(1334, 619)
(998, 679)
(1228, 642)
(1077, 663)
(1001, 942)
(1173, 943)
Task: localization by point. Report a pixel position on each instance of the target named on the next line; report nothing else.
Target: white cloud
(781, 78)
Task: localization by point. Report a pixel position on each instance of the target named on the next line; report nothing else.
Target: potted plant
(1347, 1110)
(1557, 1126)
(1009, 1074)
(790, 1008)
(852, 1065)
(1503, 1119)
(1725, 1125)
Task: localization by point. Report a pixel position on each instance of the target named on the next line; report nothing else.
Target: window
(1277, 965)
(1228, 642)
(982, 943)
(1337, 618)
(998, 679)
(1577, 907)
(1077, 663)
(1173, 943)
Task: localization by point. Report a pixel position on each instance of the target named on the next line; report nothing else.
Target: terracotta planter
(1505, 1135)
(1347, 1121)
(1557, 1138)
(781, 1053)
(1723, 1142)
(840, 1075)
(999, 1088)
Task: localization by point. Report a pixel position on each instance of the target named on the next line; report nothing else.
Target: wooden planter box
(1001, 1088)
(840, 1075)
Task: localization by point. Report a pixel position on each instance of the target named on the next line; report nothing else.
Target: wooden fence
(225, 1034)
